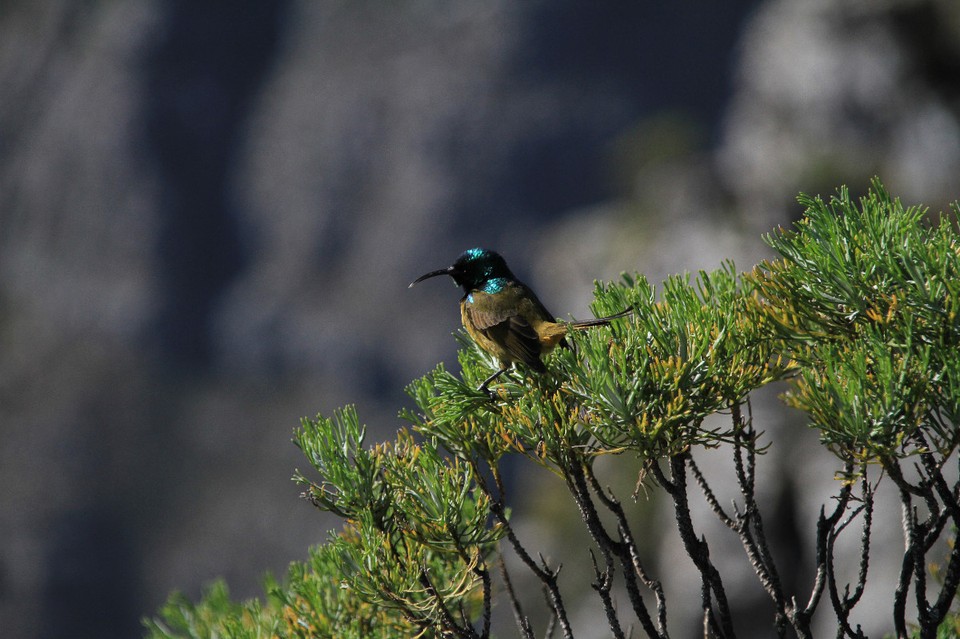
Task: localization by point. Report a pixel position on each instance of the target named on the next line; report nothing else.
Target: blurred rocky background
(209, 213)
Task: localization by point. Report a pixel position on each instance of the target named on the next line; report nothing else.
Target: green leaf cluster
(317, 600)
(216, 615)
(418, 528)
(642, 385)
(406, 563)
(860, 311)
(866, 297)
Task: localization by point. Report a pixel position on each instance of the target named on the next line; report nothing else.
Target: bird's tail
(554, 333)
(600, 321)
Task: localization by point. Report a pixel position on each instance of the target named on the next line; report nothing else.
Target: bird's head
(473, 269)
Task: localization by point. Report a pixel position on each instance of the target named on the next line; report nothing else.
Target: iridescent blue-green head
(475, 269)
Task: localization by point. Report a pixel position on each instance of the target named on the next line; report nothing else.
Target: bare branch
(696, 547)
(710, 497)
(825, 525)
(906, 566)
(867, 496)
(603, 585)
(630, 560)
(547, 576)
(576, 475)
(523, 623)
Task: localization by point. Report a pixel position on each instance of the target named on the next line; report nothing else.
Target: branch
(948, 591)
(867, 493)
(761, 559)
(934, 526)
(919, 538)
(843, 606)
(711, 498)
(602, 585)
(824, 527)
(575, 474)
(748, 524)
(547, 576)
(523, 623)
(935, 475)
(481, 571)
(630, 560)
(753, 511)
(552, 624)
(906, 565)
(696, 548)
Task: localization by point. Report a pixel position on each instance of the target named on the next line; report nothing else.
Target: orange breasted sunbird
(503, 315)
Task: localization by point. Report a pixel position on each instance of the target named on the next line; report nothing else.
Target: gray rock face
(208, 220)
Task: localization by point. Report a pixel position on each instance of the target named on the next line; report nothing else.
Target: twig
(449, 623)
(825, 525)
(747, 480)
(906, 565)
(576, 474)
(630, 560)
(867, 493)
(710, 497)
(480, 570)
(546, 575)
(948, 591)
(748, 524)
(523, 623)
(696, 547)
(602, 585)
(841, 606)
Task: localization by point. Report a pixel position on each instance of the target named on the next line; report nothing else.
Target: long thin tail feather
(600, 321)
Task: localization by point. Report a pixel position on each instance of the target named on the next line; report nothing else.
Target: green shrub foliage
(859, 312)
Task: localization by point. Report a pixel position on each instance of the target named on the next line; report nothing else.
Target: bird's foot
(485, 386)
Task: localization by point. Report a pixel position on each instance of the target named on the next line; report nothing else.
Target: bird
(504, 316)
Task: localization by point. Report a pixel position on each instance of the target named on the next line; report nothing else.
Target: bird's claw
(484, 388)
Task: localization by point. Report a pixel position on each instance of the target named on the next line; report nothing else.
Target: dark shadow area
(208, 64)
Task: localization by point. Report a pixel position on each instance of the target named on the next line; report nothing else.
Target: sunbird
(503, 315)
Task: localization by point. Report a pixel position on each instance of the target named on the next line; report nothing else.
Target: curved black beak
(443, 271)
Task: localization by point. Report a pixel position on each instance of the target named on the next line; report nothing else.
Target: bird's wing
(501, 323)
